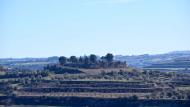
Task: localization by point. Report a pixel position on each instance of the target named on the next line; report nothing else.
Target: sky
(42, 28)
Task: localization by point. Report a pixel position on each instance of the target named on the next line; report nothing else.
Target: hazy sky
(41, 28)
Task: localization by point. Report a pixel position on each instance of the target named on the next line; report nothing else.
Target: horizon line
(169, 52)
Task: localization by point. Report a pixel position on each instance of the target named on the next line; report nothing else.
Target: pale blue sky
(41, 28)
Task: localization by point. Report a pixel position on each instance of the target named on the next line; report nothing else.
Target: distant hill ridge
(138, 61)
(148, 60)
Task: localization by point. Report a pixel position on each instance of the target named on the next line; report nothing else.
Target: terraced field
(101, 89)
(114, 87)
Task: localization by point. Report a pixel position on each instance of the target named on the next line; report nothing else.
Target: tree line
(91, 61)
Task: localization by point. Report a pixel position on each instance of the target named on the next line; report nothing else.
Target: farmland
(85, 84)
(132, 85)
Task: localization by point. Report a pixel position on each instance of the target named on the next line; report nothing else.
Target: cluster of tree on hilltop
(92, 62)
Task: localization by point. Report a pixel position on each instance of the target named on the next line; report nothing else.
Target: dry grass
(187, 88)
(98, 71)
(84, 94)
